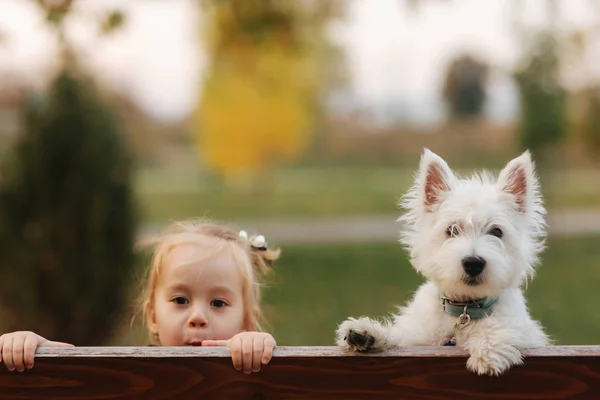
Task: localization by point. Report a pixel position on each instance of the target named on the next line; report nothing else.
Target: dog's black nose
(473, 265)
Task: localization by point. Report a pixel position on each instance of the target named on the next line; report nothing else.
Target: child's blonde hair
(253, 262)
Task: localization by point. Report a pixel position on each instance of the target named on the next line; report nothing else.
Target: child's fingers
(7, 356)
(236, 352)
(269, 345)
(17, 352)
(215, 343)
(247, 346)
(257, 353)
(29, 346)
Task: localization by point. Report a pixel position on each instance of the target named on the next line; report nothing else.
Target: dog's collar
(476, 309)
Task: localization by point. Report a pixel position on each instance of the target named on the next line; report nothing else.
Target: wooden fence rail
(432, 373)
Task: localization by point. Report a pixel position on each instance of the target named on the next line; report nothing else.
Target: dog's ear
(435, 178)
(518, 179)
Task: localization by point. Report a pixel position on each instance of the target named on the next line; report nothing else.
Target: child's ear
(151, 319)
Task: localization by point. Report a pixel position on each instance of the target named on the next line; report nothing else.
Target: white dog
(476, 241)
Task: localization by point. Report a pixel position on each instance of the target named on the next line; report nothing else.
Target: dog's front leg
(364, 334)
(490, 351)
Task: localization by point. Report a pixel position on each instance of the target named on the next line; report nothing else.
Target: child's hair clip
(259, 243)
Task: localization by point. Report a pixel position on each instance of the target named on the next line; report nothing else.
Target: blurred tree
(67, 219)
(265, 82)
(543, 99)
(586, 95)
(592, 123)
(464, 87)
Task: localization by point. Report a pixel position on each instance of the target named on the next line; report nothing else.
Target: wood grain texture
(561, 372)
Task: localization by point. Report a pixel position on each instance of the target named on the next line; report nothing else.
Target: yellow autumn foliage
(258, 98)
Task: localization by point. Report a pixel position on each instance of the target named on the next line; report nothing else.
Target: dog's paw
(362, 334)
(494, 362)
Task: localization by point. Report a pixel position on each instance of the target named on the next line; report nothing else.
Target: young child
(202, 289)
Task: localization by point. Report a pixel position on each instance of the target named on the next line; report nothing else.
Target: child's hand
(17, 349)
(249, 350)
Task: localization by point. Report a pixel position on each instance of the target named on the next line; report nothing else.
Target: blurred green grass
(318, 286)
(168, 194)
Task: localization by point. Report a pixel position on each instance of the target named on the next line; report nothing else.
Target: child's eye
(218, 303)
(180, 300)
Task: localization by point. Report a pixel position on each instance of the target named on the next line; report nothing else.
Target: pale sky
(396, 59)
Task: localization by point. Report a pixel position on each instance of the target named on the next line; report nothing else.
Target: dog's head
(475, 236)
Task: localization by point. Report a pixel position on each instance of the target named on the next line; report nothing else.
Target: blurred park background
(300, 119)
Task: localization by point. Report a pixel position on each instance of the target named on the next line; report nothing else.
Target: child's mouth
(194, 344)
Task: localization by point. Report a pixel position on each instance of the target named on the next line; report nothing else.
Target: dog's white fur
(440, 200)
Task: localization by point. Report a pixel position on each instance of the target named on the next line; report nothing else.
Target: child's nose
(197, 318)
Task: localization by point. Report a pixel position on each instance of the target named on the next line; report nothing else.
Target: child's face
(197, 300)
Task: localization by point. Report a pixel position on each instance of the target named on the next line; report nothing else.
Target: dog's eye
(452, 231)
(496, 232)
